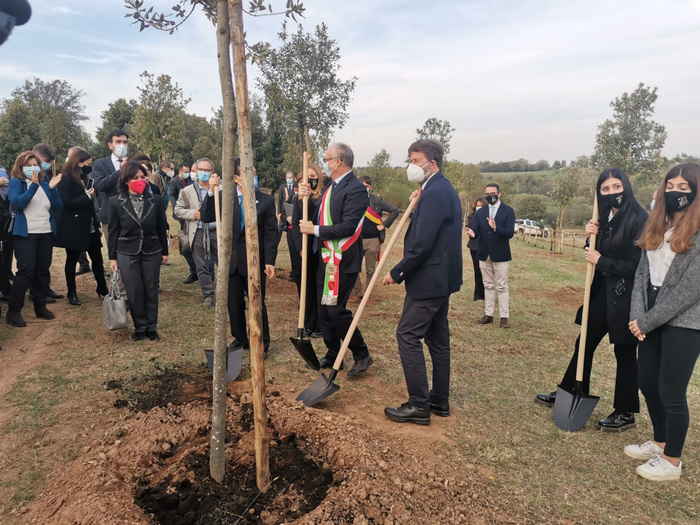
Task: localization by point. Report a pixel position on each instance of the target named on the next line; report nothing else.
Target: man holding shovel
(432, 269)
(337, 228)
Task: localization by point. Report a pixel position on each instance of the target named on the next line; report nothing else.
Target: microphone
(13, 13)
(20, 10)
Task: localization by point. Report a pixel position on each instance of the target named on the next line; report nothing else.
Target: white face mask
(170, 173)
(120, 150)
(416, 174)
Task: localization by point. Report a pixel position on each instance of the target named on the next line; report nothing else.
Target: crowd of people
(645, 294)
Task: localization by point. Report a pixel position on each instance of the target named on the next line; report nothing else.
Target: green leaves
(440, 130)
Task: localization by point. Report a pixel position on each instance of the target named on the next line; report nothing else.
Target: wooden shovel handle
(304, 245)
(590, 269)
(370, 286)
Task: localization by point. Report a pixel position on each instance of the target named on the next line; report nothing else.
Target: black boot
(73, 298)
(617, 422)
(15, 319)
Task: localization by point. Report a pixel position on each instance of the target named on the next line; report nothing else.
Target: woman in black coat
(77, 228)
(615, 257)
(316, 181)
(137, 243)
(473, 244)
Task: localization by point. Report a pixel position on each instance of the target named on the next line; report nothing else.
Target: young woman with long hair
(473, 244)
(77, 227)
(665, 317)
(621, 219)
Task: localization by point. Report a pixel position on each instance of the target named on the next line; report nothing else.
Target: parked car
(530, 227)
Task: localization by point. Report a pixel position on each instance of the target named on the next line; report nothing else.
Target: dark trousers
(187, 254)
(626, 390)
(311, 311)
(425, 319)
(141, 275)
(33, 253)
(237, 290)
(478, 279)
(295, 258)
(335, 320)
(83, 259)
(667, 357)
(5, 266)
(73, 256)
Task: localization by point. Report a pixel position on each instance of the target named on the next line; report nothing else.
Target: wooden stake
(262, 453)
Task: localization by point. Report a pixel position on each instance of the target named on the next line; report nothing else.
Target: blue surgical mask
(255, 181)
(186, 175)
(120, 150)
(289, 181)
(203, 175)
(326, 169)
(45, 166)
(29, 171)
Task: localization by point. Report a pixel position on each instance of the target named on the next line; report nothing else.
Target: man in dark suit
(432, 269)
(268, 238)
(493, 226)
(373, 232)
(338, 243)
(286, 193)
(105, 173)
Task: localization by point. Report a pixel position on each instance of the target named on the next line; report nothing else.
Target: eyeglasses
(330, 159)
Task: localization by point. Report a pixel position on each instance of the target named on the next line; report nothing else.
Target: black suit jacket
(105, 177)
(494, 243)
(432, 257)
(348, 205)
(73, 222)
(268, 234)
(129, 235)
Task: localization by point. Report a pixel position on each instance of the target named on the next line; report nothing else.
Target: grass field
(541, 473)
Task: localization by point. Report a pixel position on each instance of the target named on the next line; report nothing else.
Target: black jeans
(478, 279)
(33, 254)
(666, 360)
(626, 391)
(95, 252)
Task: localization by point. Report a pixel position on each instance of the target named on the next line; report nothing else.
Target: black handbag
(7, 226)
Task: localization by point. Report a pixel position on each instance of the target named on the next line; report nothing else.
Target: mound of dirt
(327, 468)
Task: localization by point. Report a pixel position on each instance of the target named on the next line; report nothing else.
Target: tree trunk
(245, 143)
(217, 465)
(307, 139)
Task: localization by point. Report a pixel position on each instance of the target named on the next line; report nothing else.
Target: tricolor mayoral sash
(332, 252)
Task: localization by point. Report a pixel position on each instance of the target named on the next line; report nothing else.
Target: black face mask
(313, 184)
(86, 170)
(677, 200)
(611, 200)
(491, 199)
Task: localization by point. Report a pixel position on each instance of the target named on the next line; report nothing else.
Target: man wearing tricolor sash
(373, 231)
(337, 231)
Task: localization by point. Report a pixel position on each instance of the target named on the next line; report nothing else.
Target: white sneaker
(643, 451)
(659, 469)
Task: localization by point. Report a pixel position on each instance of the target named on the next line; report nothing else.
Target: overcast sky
(528, 79)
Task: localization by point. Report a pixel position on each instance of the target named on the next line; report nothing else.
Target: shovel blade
(318, 391)
(572, 408)
(306, 351)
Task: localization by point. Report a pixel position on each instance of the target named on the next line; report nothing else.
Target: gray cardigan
(678, 302)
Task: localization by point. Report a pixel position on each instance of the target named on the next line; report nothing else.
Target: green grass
(538, 471)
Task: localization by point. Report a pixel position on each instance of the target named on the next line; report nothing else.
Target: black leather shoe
(190, 279)
(236, 344)
(102, 292)
(15, 319)
(487, 319)
(152, 335)
(44, 313)
(49, 300)
(407, 413)
(361, 366)
(73, 299)
(546, 399)
(617, 422)
(327, 363)
(138, 336)
(82, 269)
(504, 322)
(440, 410)
(54, 295)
